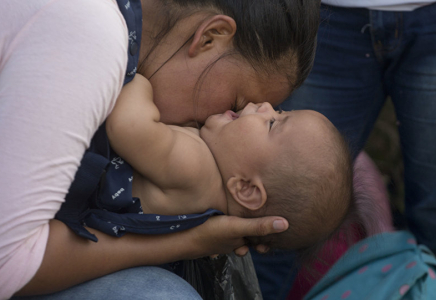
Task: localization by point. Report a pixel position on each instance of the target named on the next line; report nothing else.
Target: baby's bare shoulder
(192, 163)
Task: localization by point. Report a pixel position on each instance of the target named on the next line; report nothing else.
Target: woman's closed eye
(271, 123)
(235, 106)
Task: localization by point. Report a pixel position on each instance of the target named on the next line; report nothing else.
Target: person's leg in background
(141, 283)
(412, 84)
(346, 86)
(276, 272)
(346, 81)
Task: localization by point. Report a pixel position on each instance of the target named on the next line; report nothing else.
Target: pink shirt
(62, 65)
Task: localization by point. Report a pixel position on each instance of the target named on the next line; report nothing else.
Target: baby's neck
(221, 203)
(228, 206)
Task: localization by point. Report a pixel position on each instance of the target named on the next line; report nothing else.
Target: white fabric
(394, 5)
(62, 65)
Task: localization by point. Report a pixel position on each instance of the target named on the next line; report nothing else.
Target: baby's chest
(176, 201)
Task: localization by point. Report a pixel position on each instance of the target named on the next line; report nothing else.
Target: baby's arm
(163, 154)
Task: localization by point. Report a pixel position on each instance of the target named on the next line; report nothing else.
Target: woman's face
(184, 94)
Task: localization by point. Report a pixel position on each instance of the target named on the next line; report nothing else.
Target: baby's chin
(209, 125)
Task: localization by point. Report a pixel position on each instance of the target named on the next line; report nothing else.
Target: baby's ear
(249, 193)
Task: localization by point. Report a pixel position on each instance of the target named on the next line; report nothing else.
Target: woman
(62, 66)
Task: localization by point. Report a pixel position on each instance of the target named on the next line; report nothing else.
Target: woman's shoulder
(19, 14)
(74, 21)
(92, 25)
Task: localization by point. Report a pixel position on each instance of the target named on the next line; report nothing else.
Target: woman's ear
(250, 194)
(213, 32)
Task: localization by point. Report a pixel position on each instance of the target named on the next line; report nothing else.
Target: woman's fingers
(224, 234)
(262, 249)
(259, 226)
(241, 251)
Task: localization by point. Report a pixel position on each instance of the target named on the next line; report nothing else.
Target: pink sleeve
(62, 65)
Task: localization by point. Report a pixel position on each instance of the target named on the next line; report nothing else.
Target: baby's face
(258, 135)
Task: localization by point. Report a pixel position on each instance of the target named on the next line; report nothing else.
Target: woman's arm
(70, 260)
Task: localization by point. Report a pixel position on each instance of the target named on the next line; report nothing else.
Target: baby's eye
(271, 123)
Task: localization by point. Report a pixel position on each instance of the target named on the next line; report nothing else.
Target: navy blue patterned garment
(100, 196)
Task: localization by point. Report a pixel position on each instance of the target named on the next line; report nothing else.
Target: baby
(253, 163)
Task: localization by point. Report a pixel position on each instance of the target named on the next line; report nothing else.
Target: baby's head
(292, 164)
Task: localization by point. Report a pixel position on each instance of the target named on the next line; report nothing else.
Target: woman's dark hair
(271, 35)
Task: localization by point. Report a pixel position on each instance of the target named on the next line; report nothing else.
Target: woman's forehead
(273, 89)
(255, 84)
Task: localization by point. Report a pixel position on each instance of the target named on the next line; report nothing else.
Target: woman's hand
(224, 234)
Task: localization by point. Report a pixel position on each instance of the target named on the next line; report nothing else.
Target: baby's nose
(253, 106)
(265, 107)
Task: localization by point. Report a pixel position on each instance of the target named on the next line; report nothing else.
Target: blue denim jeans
(362, 57)
(142, 283)
(276, 272)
